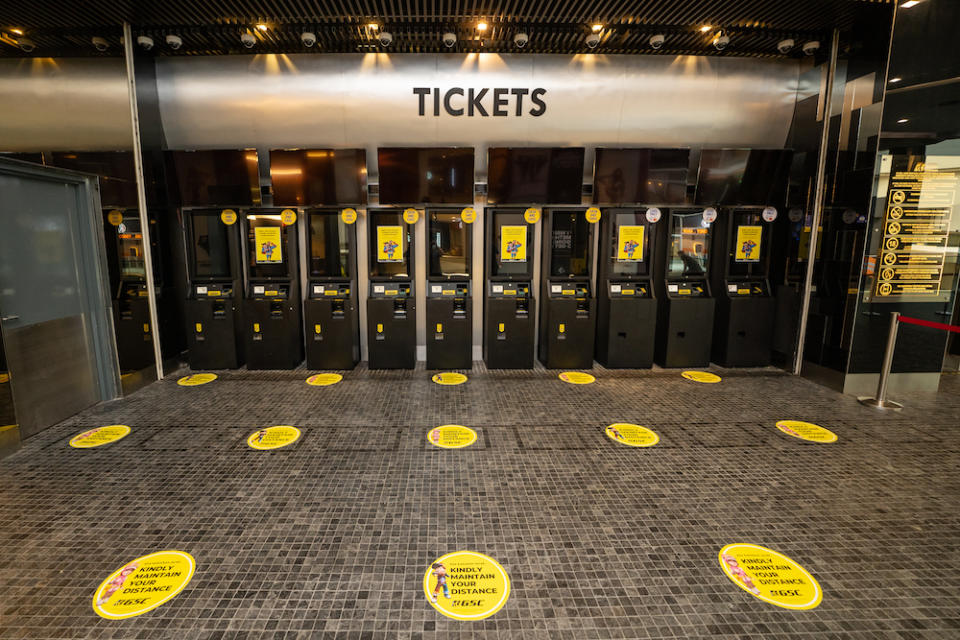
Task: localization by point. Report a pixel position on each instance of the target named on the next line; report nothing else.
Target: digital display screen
(317, 177)
(216, 177)
(570, 244)
(449, 245)
(535, 175)
(266, 240)
(442, 175)
(329, 246)
(649, 176)
(118, 180)
(689, 245)
(755, 177)
(211, 245)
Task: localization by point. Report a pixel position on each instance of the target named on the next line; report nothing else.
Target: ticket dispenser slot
(509, 309)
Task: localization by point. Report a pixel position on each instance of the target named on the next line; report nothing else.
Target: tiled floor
(329, 538)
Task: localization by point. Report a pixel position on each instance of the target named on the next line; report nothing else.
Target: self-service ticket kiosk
(567, 320)
(686, 308)
(216, 285)
(131, 310)
(627, 307)
(271, 307)
(330, 309)
(391, 305)
(743, 331)
(449, 314)
(509, 313)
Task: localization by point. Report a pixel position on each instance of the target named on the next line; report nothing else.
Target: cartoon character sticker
(440, 572)
(267, 240)
(114, 585)
(630, 243)
(737, 572)
(748, 243)
(390, 244)
(513, 243)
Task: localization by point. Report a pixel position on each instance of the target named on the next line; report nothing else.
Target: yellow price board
(532, 215)
(702, 376)
(630, 243)
(411, 215)
(576, 377)
(449, 378)
(228, 216)
(143, 584)
(452, 436)
(748, 243)
(267, 241)
(466, 585)
(99, 436)
(196, 379)
(770, 576)
(324, 379)
(807, 431)
(632, 434)
(513, 243)
(273, 437)
(468, 215)
(288, 217)
(390, 244)
(593, 214)
(349, 216)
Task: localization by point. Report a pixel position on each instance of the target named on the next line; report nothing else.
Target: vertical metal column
(142, 197)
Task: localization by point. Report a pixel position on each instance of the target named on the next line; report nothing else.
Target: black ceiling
(208, 27)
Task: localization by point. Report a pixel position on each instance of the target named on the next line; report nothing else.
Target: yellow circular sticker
(115, 217)
(593, 214)
(770, 576)
(228, 216)
(99, 436)
(349, 216)
(410, 216)
(449, 378)
(273, 437)
(452, 436)
(576, 377)
(4, 377)
(143, 584)
(288, 217)
(632, 434)
(469, 215)
(196, 379)
(324, 379)
(806, 431)
(701, 376)
(532, 215)
(466, 585)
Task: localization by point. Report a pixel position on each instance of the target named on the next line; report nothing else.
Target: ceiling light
(481, 26)
(903, 120)
(909, 3)
(897, 79)
(373, 26)
(597, 27)
(705, 28)
(18, 32)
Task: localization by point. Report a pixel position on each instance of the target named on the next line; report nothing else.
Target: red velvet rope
(932, 325)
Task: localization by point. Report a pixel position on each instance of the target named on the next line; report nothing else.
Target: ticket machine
(330, 309)
(391, 305)
(567, 320)
(273, 338)
(214, 269)
(685, 307)
(627, 307)
(509, 313)
(449, 313)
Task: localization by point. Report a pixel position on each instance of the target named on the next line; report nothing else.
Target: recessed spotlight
(909, 3)
(18, 32)
(705, 28)
(481, 26)
(897, 79)
(262, 27)
(373, 26)
(903, 120)
(597, 27)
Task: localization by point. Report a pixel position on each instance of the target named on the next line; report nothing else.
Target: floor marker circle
(702, 376)
(466, 585)
(273, 437)
(449, 378)
(324, 379)
(576, 377)
(632, 434)
(143, 584)
(99, 436)
(770, 576)
(196, 379)
(451, 436)
(806, 431)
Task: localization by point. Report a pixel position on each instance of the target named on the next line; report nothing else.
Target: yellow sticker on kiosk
(513, 243)
(411, 215)
(593, 214)
(770, 576)
(702, 376)
(324, 379)
(632, 434)
(267, 241)
(228, 216)
(468, 215)
(576, 377)
(748, 243)
(4, 378)
(288, 217)
(806, 431)
(99, 436)
(449, 378)
(466, 585)
(390, 244)
(115, 217)
(273, 437)
(349, 216)
(630, 243)
(532, 215)
(452, 436)
(196, 379)
(143, 584)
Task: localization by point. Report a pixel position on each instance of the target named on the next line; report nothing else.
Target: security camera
(785, 46)
(100, 43)
(449, 39)
(247, 39)
(26, 45)
(174, 42)
(811, 47)
(521, 40)
(656, 42)
(593, 40)
(385, 38)
(146, 42)
(720, 42)
(308, 38)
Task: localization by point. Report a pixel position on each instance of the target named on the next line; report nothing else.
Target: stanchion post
(880, 401)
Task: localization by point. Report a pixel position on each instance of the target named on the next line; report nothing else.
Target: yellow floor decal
(99, 436)
(449, 378)
(196, 379)
(324, 379)
(770, 576)
(4, 377)
(273, 437)
(576, 377)
(466, 585)
(807, 431)
(452, 436)
(632, 434)
(701, 376)
(143, 584)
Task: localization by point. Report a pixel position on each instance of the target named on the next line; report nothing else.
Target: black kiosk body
(391, 304)
(686, 308)
(567, 320)
(509, 312)
(271, 306)
(449, 303)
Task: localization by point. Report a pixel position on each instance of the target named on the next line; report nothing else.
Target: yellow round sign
(632, 434)
(228, 216)
(273, 437)
(411, 215)
(143, 584)
(115, 217)
(349, 216)
(4, 377)
(196, 379)
(468, 215)
(593, 214)
(576, 377)
(324, 379)
(701, 376)
(466, 585)
(449, 378)
(288, 217)
(532, 215)
(770, 576)
(99, 436)
(806, 431)
(452, 436)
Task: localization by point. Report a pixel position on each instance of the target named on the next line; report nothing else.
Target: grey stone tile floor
(329, 538)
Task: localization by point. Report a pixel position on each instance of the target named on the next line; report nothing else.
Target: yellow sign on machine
(449, 378)
(143, 584)
(273, 437)
(99, 436)
(228, 216)
(348, 215)
(452, 436)
(468, 215)
(748, 243)
(513, 243)
(770, 576)
(807, 431)
(324, 379)
(288, 217)
(466, 585)
(632, 434)
(630, 243)
(576, 377)
(196, 379)
(267, 241)
(390, 244)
